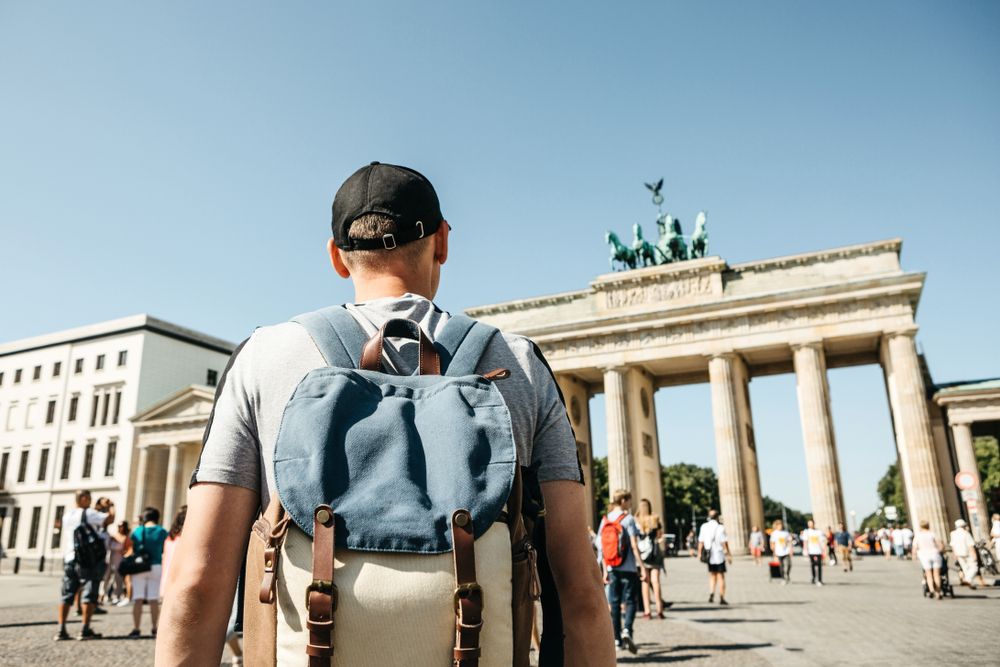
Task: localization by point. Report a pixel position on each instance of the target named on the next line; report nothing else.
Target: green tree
(687, 488)
(600, 497)
(796, 519)
(890, 493)
(988, 457)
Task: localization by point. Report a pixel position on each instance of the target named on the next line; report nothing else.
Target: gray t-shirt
(262, 374)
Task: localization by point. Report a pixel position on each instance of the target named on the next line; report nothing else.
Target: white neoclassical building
(631, 333)
(66, 400)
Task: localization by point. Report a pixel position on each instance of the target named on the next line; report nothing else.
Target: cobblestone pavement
(872, 616)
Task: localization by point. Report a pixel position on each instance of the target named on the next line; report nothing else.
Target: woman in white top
(928, 548)
(781, 547)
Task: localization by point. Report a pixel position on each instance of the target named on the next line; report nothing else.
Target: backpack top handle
(371, 355)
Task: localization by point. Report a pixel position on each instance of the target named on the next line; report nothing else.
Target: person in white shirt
(995, 534)
(75, 576)
(781, 547)
(713, 538)
(814, 545)
(885, 540)
(907, 541)
(897, 542)
(964, 548)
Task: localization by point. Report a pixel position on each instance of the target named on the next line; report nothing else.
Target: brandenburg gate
(633, 332)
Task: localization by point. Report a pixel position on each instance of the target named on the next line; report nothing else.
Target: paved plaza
(872, 616)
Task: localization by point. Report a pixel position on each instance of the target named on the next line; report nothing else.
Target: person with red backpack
(623, 566)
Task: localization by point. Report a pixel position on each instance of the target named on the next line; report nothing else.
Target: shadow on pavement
(657, 656)
(702, 608)
(734, 620)
(778, 602)
(723, 647)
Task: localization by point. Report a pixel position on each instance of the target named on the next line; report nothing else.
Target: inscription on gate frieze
(636, 295)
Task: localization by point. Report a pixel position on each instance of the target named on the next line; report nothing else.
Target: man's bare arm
(201, 582)
(586, 621)
(638, 559)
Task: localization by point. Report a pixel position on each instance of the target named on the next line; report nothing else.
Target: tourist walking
(692, 543)
(872, 539)
(650, 529)
(814, 546)
(831, 546)
(964, 547)
(907, 541)
(83, 561)
(885, 540)
(781, 547)
(624, 570)
(995, 534)
(897, 542)
(114, 582)
(148, 537)
(713, 538)
(927, 547)
(842, 540)
(170, 545)
(756, 545)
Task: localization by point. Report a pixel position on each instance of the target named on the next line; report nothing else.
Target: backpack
(399, 509)
(88, 546)
(613, 547)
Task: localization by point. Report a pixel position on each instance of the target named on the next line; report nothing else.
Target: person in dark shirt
(872, 540)
(842, 540)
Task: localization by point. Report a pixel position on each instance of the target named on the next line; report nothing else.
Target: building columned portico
(633, 332)
(168, 438)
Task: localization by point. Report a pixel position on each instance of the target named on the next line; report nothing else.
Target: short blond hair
(926, 525)
(620, 495)
(376, 226)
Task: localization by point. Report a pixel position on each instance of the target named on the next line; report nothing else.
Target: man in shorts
(86, 580)
(390, 239)
(713, 537)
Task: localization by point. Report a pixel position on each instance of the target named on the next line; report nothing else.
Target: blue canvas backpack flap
(367, 462)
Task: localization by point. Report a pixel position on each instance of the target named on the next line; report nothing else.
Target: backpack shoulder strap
(337, 334)
(462, 343)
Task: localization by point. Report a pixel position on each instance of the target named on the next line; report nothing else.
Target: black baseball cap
(403, 194)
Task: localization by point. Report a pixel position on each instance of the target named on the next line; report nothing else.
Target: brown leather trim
(371, 354)
(321, 596)
(260, 621)
(469, 599)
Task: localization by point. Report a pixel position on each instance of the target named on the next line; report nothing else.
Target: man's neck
(389, 286)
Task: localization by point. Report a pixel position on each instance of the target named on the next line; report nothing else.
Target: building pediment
(190, 404)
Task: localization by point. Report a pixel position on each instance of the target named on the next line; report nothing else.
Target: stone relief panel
(745, 324)
(657, 292)
(647, 445)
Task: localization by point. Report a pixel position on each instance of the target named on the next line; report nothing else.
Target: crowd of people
(121, 568)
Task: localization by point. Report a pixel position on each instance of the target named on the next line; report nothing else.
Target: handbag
(706, 551)
(647, 548)
(138, 561)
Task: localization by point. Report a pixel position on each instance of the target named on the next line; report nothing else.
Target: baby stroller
(946, 587)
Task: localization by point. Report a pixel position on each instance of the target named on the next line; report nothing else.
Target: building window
(93, 409)
(1, 378)
(57, 526)
(43, 465)
(118, 406)
(22, 469)
(17, 376)
(4, 460)
(67, 457)
(56, 369)
(73, 404)
(213, 378)
(37, 375)
(15, 518)
(109, 464)
(122, 356)
(50, 414)
(78, 368)
(29, 415)
(88, 460)
(104, 412)
(36, 516)
(100, 362)
(11, 416)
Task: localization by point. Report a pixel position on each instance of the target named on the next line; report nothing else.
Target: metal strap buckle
(466, 589)
(421, 226)
(323, 587)
(386, 238)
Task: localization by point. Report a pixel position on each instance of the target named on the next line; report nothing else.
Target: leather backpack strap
(469, 599)
(321, 595)
(337, 335)
(371, 355)
(462, 343)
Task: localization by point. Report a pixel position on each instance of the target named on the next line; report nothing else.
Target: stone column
(139, 498)
(620, 467)
(907, 396)
(817, 436)
(172, 492)
(729, 458)
(966, 455)
(748, 444)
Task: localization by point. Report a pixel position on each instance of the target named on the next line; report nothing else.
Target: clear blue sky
(180, 159)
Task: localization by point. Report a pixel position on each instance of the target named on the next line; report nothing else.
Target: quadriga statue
(645, 252)
(699, 240)
(619, 253)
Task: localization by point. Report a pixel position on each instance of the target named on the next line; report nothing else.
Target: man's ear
(441, 242)
(337, 259)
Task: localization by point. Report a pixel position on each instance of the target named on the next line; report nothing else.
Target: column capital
(910, 331)
(814, 344)
(725, 354)
(959, 421)
(616, 369)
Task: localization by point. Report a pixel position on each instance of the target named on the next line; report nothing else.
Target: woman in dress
(928, 548)
(651, 528)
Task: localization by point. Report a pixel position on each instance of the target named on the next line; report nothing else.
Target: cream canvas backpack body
(402, 529)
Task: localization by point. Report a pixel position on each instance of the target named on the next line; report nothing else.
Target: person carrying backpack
(623, 566)
(408, 479)
(83, 564)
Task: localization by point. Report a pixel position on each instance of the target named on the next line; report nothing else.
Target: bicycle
(987, 561)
